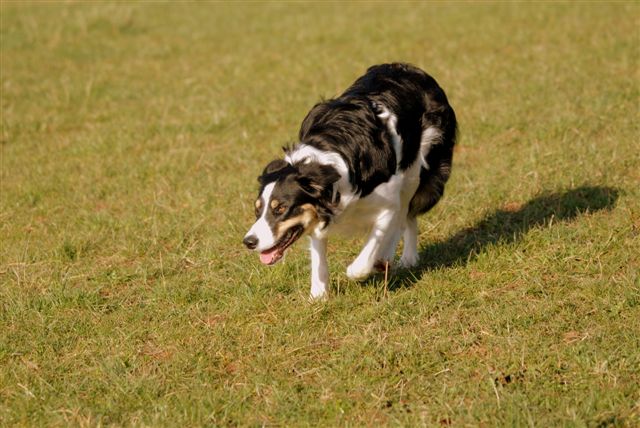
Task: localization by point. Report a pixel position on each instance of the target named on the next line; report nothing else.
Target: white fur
(383, 212)
(410, 250)
(429, 137)
(261, 228)
(391, 121)
(304, 153)
(319, 268)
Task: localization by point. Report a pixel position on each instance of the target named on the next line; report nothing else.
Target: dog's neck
(304, 153)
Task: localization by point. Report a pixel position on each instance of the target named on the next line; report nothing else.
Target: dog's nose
(250, 241)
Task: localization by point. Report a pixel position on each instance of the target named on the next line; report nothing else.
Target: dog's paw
(358, 272)
(318, 296)
(318, 293)
(409, 261)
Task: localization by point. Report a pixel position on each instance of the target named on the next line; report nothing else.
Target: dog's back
(349, 126)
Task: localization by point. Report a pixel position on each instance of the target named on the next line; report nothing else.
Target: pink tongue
(267, 257)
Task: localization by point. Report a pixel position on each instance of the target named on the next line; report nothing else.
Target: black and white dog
(374, 159)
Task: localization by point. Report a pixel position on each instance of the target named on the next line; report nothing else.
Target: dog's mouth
(275, 253)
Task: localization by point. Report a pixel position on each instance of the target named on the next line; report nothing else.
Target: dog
(372, 159)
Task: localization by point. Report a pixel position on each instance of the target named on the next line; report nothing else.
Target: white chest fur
(357, 215)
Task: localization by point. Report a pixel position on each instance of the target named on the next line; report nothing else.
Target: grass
(131, 138)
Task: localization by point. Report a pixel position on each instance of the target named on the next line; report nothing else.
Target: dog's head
(293, 199)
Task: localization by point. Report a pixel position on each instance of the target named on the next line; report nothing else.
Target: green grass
(131, 138)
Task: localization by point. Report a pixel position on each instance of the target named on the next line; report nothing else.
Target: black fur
(349, 126)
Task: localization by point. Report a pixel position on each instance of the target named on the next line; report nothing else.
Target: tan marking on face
(258, 203)
(274, 203)
(307, 218)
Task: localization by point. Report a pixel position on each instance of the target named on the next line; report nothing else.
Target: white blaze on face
(261, 228)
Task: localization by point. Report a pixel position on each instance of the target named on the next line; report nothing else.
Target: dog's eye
(279, 210)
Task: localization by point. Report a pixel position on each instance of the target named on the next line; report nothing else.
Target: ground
(132, 136)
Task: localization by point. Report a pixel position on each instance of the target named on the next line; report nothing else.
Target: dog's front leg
(319, 268)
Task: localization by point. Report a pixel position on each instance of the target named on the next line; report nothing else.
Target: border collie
(371, 160)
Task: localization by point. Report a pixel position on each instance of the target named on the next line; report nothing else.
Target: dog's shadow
(506, 225)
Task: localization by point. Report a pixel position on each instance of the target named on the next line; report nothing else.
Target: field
(132, 136)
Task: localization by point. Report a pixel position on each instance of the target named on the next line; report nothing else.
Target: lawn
(132, 135)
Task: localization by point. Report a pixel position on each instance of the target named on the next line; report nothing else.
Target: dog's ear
(317, 179)
(272, 169)
(274, 166)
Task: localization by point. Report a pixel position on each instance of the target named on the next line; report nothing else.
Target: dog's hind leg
(377, 242)
(389, 252)
(410, 246)
(319, 268)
